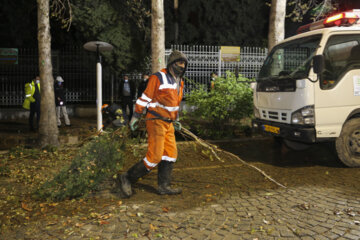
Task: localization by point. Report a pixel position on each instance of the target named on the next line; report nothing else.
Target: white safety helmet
(59, 79)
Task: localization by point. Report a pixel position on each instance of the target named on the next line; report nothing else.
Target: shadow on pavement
(269, 151)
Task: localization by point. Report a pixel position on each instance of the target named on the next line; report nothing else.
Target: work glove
(134, 123)
(177, 125)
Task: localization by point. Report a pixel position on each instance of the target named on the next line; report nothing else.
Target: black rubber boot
(130, 177)
(164, 179)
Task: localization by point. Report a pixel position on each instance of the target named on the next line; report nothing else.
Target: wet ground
(220, 200)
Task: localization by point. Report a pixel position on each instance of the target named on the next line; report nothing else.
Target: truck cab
(308, 89)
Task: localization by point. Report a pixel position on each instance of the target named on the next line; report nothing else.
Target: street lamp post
(97, 46)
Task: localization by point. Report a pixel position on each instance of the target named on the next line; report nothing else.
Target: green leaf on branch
(97, 160)
(230, 101)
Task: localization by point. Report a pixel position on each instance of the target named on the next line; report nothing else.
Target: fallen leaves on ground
(26, 207)
(165, 209)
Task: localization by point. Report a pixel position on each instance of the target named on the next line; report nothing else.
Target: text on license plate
(272, 129)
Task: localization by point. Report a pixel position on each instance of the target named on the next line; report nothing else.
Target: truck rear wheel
(348, 143)
(296, 146)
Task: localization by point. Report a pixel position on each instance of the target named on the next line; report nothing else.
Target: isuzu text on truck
(308, 89)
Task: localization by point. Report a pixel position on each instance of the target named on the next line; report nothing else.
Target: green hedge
(231, 100)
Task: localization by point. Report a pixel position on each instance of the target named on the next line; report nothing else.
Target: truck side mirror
(318, 64)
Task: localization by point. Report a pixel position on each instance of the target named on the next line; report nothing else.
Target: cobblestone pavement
(328, 210)
(319, 208)
(299, 213)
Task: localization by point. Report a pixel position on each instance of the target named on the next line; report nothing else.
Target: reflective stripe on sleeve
(146, 98)
(141, 103)
(28, 95)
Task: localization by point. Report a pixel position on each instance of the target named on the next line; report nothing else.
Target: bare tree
(318, 8)
(48, 131)
(62, 11)
(276, 23)
(157, 35)
(176, 24)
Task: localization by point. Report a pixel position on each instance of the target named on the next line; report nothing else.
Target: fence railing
(203, 60)
(78, 69)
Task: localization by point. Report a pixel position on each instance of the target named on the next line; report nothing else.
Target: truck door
(337, 93)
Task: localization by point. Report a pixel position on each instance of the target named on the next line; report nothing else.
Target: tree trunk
(157, 35)
(276, 23)
(176, 24)
(48, 130)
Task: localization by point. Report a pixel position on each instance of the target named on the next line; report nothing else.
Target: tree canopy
(126, 24)
(120, 23)
(212, 22)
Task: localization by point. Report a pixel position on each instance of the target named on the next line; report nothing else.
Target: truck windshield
(290, 60)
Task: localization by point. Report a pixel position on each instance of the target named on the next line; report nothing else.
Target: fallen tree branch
(207, 145)
(213, 149)
(91, 136)
(252, 166)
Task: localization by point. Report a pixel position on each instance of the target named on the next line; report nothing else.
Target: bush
(229, 101)
(97, 160)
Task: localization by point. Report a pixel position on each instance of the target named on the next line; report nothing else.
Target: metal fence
(12, 77)
(71, 63)
(203, 60)
(78, 69)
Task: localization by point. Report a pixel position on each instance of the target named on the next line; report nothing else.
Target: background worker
(32, 101)
(60, 102)
(162, 98)
(127, 92)
(211, 83)
(112, 115)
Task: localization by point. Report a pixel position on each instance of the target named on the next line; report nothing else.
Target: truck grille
(278, 116)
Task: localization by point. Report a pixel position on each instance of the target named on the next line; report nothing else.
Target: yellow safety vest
(29, 93)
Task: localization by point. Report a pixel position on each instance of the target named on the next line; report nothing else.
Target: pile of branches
(96, 160)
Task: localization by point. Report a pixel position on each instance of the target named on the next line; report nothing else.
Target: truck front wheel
(348, 143)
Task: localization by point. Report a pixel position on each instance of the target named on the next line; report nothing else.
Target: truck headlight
(256, 112)
(304, 116)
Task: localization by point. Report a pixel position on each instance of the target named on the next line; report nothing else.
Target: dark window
(341, 54)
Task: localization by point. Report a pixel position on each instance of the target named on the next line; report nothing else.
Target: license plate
(272, 129)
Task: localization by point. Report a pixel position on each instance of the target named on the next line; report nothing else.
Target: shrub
(230, 100)
(98, 159)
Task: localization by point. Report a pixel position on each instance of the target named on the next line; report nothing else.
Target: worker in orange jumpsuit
(162, 98)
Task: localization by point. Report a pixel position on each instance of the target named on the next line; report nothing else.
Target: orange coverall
(163, 97)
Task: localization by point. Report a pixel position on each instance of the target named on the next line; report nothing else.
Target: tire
(348, 143)
(296, 146)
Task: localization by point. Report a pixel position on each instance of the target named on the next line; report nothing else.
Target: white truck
(308, 89)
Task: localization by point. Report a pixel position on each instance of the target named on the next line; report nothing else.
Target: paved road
(321, 202)
(301, 213)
